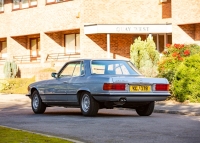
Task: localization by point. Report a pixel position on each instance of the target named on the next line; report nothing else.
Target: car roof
(98, 59)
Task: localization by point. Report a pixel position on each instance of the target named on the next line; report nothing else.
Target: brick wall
(51, 22)
(97, 46)
(186, 33)
(166, 9)
(53, 42)
(186, 14)
(18, 46)
(122, 12)
(117, 12)
(197, 32)
(43, 18)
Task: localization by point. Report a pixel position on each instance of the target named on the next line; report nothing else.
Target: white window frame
(22, 5)
(55, 1)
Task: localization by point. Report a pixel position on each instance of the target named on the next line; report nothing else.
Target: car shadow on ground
(101, 113)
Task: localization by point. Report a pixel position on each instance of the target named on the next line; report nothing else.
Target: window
(73, 69)
(33, 2)
(113, 68)
(55, 1)
(72, 43)
(16, 4)
(35, 47)
(1, 5)
(21, 4)
(25, 3)
(3, 49)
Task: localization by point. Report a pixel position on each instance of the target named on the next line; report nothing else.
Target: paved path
(106, 127)
(171, 107)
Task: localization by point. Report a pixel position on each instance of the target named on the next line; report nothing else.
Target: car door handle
(65, 81)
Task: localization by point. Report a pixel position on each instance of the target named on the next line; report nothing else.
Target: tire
(146, 110)
(38, 106)
(89, 107)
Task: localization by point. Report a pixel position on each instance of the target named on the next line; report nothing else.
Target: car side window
(82, 70)
(118, 69)
(121, 69)
(68, 70)
(72, 69)
(98, 69)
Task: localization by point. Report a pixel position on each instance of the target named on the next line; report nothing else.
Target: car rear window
(113, 67)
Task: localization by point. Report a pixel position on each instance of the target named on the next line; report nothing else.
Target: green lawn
(8, 135)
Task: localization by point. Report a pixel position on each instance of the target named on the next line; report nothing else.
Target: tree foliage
(145, 56)
(178, 65)
(173, 56)
(187, 80)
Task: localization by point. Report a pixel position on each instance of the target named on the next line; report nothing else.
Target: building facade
(43, 33)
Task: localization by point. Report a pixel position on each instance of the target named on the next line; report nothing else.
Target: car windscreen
(113, 67)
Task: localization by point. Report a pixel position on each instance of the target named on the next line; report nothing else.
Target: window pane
(1, 5)
(4, 47)
(82, 69)
(4, 50)
(97, 67)
(33, 47)
(49, 1)
(68, 70)
(25, 3)
(112, 67)
(77, 70)
(59, 0)
(70, 43)
(39, 47)
(77, 43)
(121, 69)
(16, 4)
(33, 2)
(169, 39)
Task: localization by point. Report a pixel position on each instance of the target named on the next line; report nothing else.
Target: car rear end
(132, 89)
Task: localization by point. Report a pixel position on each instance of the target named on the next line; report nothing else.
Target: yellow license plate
(140, 88)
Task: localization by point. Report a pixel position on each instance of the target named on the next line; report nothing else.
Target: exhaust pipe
(122, 100)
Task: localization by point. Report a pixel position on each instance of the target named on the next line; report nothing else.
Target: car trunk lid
(138, 80)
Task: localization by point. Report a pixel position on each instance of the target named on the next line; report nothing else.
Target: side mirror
(55, 75)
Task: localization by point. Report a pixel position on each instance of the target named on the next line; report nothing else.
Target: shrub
(187, 80)
(145, 56)
(10, 69)
(173, 56)
(15, 85)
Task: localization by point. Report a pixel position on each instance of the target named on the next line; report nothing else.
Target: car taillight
(114, 86)
(162, 87)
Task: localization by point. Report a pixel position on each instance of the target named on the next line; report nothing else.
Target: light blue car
(95, 84)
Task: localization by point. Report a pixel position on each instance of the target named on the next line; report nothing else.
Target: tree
(145, 56)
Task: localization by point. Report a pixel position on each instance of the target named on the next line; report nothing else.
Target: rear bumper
(130, 97)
